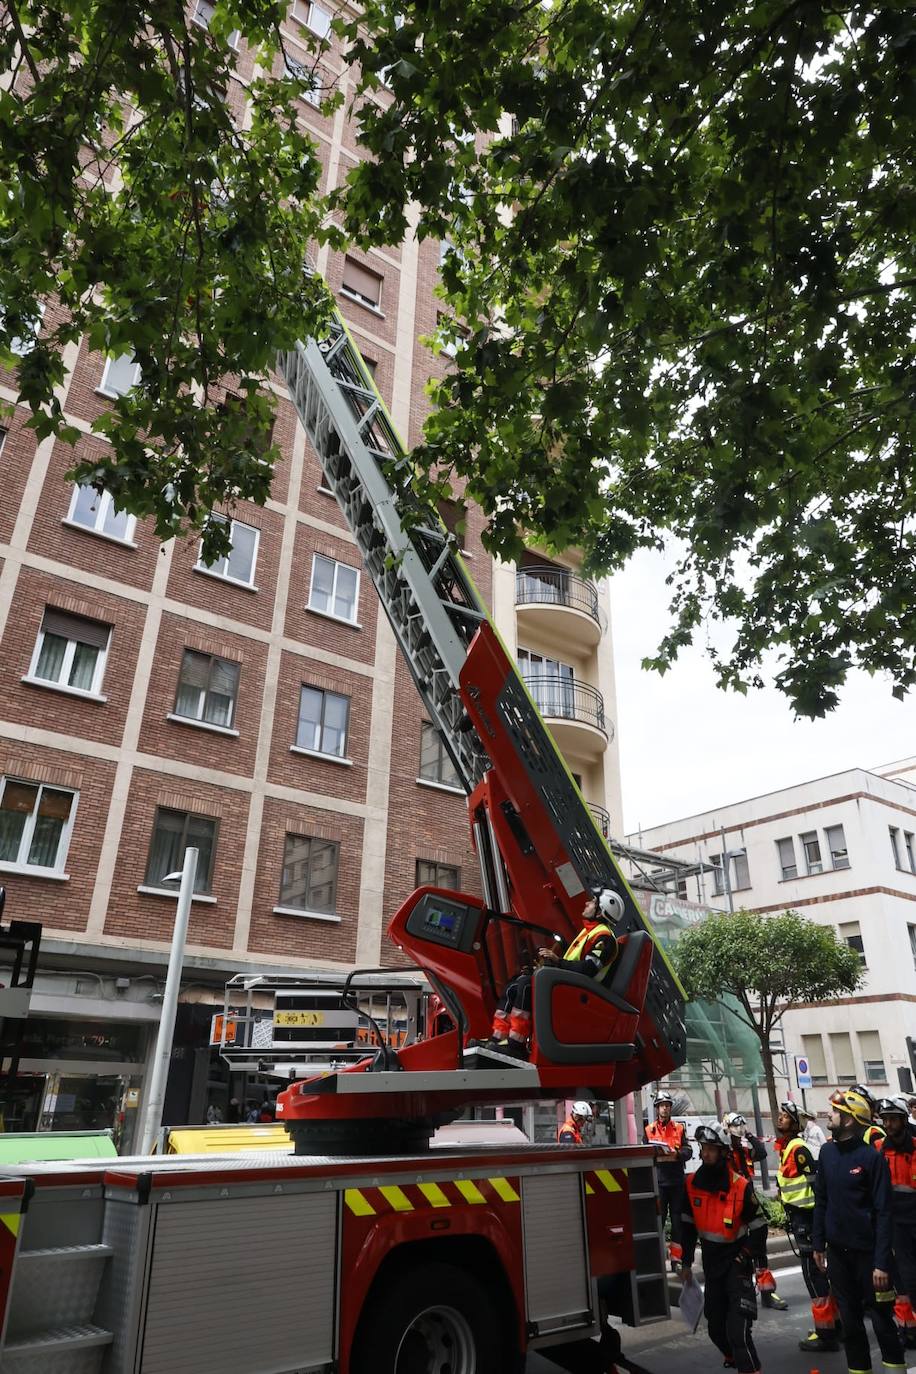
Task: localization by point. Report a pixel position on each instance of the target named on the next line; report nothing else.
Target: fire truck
(381, 1243)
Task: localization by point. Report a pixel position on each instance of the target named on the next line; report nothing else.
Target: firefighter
(746, 1150)
(591, 953)
(721, 1208)
(873, 1134)
(899, 1150)
(852, 1232)
(795, 1186)
(672, 1150)
(570, 1133)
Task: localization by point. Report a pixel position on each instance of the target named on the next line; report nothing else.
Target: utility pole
(153, 1119)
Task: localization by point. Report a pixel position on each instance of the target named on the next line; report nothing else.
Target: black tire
(411, 1322)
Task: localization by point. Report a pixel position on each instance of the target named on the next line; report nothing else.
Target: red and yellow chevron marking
(604, 1181)
(412, 1197)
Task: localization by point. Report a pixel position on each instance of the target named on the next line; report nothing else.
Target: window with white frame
(429, 873)
(851, 934)
(895, 845)
(843, 1062)
(912, 934)
(334, 588)
(35, 824)
(3, 435)
(23, 343)
(323, 721)
(811, 848)
(307, 79)
(435, 763)
(550, 681)
(309, 878)
(313, 16)
(872, 1056)
(238, 564)
(202, 13)
(836, 845)
(96, 511)
(173, 833)
(813, 1050)
(207, 688)
(361, 284)
(788, 866)
(908, 845)
(739, 876)
(70, 651)
(120, 375)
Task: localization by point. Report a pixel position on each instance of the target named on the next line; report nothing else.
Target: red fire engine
(371, 1248)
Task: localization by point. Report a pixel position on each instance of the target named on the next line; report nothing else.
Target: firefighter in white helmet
(570, 1133)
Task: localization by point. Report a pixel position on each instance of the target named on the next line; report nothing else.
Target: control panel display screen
(443, 922)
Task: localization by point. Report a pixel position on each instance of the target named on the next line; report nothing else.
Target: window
(908, 841)
(432, 874)
(550, 682)
(843, 1062)
(786, 851)
(239, 564)
(173, 833)
(738, 872)
(895, 845)
(308, 80)
(872, 1057)
(96, 511)
(435, 763)
(71, 651)
(3, 434)
(361, 284)
(851, 934)
(836, 843)
(120, 375)
(35, 824)
(334, 589)
(447, 328)
(323, 721)
(207, 688)
(203, 13)
(912, 933)
(813, 1050)
(315, 17)
(811, 848)
(25, 342)
(309, 879)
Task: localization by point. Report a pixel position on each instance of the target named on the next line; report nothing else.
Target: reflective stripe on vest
(587, 937)
(902, 1165)
(717, 1216)
(795, 1188)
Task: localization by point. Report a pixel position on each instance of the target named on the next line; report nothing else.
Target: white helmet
(582, 1109)
(734, 1122)
(713, 1135)
(610, 903)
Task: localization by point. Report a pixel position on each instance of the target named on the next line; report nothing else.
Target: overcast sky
(686, 746)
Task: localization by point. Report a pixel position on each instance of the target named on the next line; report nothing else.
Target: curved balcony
(559, 603)
(602, 818)
(574, 711)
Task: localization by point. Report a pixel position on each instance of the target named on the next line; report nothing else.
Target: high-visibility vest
(902, 1164)
(873, 1136)
(717, 1216)
(570, 1126)
(670, 1133)
(795, 1186)
(739, 1160)
(586, 940)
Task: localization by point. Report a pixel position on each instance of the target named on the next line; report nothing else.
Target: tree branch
(23, 44)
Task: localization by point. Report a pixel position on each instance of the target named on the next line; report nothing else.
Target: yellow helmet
(853, 1104)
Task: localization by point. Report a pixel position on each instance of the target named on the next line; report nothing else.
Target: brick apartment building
(257, 709)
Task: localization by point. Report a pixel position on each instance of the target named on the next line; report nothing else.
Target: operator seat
(578, 1020)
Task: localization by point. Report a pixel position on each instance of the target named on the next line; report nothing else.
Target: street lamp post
(153, 1118)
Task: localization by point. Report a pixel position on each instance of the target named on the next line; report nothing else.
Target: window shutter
(91, 632)
(360, 279)
(224, 677)
(195, 670)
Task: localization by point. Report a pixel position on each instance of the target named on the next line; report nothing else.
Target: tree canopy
(768, 964)
(682, 260)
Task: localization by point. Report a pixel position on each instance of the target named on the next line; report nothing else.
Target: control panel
(440, 920)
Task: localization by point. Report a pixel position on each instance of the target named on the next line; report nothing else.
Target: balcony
(602, 818)
(574, 711)
(560, 604)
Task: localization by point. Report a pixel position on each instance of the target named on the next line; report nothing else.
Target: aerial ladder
(540, 852)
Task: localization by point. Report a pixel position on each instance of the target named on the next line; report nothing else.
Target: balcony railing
(556, 587)
(567, 700)
(602, 819)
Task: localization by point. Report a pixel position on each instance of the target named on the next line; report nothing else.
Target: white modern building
(842, 851)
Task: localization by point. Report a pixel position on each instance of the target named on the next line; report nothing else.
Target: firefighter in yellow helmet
(852, 1232)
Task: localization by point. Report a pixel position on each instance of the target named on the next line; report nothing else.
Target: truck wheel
(434, 1320)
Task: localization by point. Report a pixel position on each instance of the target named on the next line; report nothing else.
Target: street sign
(802, 1071)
